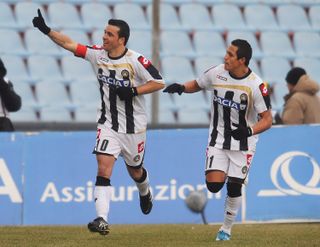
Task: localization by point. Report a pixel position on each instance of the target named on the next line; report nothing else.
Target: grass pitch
(260, 235)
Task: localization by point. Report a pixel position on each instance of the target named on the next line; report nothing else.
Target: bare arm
(149, 87)
(191, 87)
(264, 123)
(63, 40)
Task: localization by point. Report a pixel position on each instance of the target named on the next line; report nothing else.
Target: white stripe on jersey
(233, 101)
(129, 70)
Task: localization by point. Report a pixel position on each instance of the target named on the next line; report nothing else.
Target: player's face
(111, 40)
(231, 61)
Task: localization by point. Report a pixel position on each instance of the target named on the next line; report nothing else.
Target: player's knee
(234, 189)
(102, 181)
(214, 187)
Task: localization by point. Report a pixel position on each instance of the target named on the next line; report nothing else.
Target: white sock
(232, 206)
(102, 196)
(143, 187)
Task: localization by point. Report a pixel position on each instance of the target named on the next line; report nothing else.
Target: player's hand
(241, 132)
(126, 93)
(39, 23)
(174, 88)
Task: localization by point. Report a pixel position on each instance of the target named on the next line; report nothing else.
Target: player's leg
(133, 153)
(239, 167)
(107, 150)
(216, 168)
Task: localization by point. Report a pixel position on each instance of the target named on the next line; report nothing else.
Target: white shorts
(235, 164)
(129, 146)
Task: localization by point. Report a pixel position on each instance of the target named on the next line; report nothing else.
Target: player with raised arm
(124, 76)
(240, 110)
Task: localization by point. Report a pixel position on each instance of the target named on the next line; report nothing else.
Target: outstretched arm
(188, 87)
(60, 39)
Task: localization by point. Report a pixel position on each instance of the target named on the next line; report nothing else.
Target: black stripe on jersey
(113, 108)
(265, 94)
(242, 120)
(215, 118)
(227, 122)
(102, 117)
(150, 68)
(129, 116)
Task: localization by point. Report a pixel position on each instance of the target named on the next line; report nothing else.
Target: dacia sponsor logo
(113, 81)
(228, 103)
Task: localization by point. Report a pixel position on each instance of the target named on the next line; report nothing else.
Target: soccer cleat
(99, 225)
(222, 236)
(146, 203)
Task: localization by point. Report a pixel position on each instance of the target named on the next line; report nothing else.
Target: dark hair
(294, 75)
(244, 49)
(124, 31)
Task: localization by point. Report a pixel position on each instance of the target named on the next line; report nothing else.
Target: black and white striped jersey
(129, 70)
(233, 101)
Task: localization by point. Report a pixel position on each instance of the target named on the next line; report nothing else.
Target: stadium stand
(194, 36)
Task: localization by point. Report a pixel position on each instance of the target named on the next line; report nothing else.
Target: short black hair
(294, 75)
(244, 49)
(124, 31)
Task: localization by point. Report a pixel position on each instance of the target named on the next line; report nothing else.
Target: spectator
(9, 100)
(302, 105)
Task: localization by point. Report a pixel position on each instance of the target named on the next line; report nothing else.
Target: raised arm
(60, 39)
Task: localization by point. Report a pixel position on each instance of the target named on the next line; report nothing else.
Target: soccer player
(240, 110)
(124, 76)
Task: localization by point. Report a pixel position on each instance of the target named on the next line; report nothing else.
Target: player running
(240, 110)
(124, 76)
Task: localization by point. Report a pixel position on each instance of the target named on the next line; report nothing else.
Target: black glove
(175, 88)
(3, 70)
(39, 22)
(126, 93)
(241, 132)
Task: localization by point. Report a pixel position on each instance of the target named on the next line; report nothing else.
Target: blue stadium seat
(307, 44)
(274, 69)
(276, 44)
(17, 70)
(86, 114)
(314, 15)
(52, 94)
(176, 43)
(97, 35)
(99, 19)
(167, 109)
(11, 43)
(79, 36)
(233, 20)
(77, 69)
(25, 92)
(254, 66)
(64, 15)
(311, 65)
(208, 43)
(55, 114)
(177, 69)
(195, 16)
(7, 19)
(85, 93)
(292, 18)
(203, 63)
(25, 11)
(140, 41)
(135, 17)
(250, 37)
(45, 68)
(25, 114)
(169, 19)
(39, 44)
(260, 17)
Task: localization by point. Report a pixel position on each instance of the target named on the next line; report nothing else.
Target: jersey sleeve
(205, 80)
(87, 52)
(146, 71)
(261, 98)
